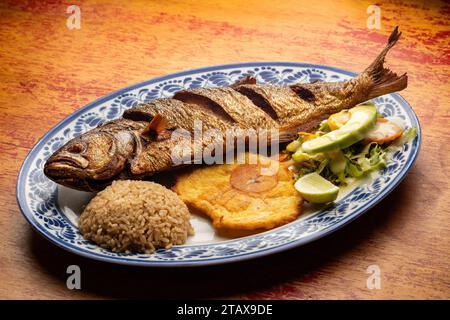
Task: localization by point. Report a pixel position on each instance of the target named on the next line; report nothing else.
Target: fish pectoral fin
(157, 126)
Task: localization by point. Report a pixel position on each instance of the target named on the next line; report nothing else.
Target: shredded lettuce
(353, 162)
(343, 166)
(371, 158)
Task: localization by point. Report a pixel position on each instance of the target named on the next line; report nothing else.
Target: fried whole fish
(141, 143)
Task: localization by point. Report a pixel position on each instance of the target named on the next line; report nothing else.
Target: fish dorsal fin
(157, 126)
(245, 80)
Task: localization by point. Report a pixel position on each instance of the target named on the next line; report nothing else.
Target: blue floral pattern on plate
(37, 195)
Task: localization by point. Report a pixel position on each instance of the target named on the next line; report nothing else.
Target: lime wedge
(316, 189)
(362, 119)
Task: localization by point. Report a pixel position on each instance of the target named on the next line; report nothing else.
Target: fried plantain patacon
(257, 194)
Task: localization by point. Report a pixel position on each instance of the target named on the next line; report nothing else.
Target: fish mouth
(66, 159)
(67, 169)
(72, 170)
(70, 174)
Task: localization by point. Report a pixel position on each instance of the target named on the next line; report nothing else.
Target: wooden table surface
(49, 71)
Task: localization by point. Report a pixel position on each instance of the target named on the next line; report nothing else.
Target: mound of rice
(136, 216)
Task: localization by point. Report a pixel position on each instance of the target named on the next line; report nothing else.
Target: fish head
(90, 161)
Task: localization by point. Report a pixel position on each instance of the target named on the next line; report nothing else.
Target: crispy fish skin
(132, 147)
(274, 99)
(238, 197)
(178, 115)
(228, 101)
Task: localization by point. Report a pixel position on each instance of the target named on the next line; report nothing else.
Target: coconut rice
(136, 216)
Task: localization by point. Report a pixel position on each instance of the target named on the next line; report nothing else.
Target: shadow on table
(247, 277)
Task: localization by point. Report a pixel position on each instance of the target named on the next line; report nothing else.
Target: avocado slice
(363, 118)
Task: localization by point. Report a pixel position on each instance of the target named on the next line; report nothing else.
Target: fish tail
(383, 79)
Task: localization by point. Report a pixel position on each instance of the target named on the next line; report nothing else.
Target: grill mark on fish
(304, 93)
(124, 149)
(172, 110)
(230, 102)
(257, 100)
(179, 115)
(137, 115)
(277, 98)
(205, 103)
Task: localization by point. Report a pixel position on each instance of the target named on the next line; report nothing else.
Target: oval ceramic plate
(53, 210)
